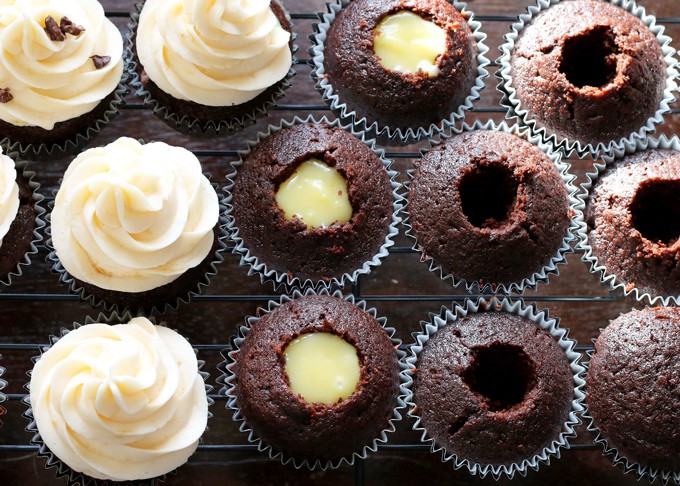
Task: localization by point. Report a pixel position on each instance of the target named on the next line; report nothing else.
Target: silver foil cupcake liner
(76, 142)
(22, 170)
(227, 380)
(514, 105)
(560, 257)
(612, 453)
(285, 279)
(375, 129)
(612, 281)
(190, 125)
(3, 397)
(172, 303)
(542, 321)
(75, 478)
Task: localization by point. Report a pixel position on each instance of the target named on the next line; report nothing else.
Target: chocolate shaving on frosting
(53, 30)
(58, 32)
(68, 27)
(100, 61)
(5, 95)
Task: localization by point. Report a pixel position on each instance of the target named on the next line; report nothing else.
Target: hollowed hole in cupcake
(487, 195)
(502, 374)
(655, 210)
(589, 59)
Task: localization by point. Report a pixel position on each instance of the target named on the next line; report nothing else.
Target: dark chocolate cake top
(288, 246)
(588, 71)
(633, 387)
(488, 206)
(493, 388)
(393, 98)
(281, 418)
(633, 221)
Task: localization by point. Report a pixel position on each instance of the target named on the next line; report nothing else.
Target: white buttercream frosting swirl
(212, 52)
(131, 217)
(52, 81)
(9, 194)
(120, 402)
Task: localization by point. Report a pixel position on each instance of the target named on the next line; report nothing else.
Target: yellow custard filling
(407, 43)
(322, 367)
(316, 194)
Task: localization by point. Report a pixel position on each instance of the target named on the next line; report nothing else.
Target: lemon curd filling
(407, 43)
(322, 367)
(316, 194)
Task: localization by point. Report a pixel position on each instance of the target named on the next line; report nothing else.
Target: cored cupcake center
(589, 58)
(488, 195)
(502, 374)
(655, 210)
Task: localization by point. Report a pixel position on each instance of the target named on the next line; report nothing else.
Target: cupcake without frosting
(495, 387)
(588, 73)
(402, 68)
(312, 204)
(315, 380)
(121, 403)
(61, 62)
(632, 391)
(632, 223)
(489, 208)
(212, 66)
(135, 225)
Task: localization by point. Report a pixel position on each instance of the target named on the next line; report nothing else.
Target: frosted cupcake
(135, 226)
(61, 62)
(211, 67)
(19, 217)
(122, 402)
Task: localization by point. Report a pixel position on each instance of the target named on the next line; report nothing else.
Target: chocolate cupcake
(495, 387)
(401, 70)
(631, 234)
(118, 399)
(632, 392)
(20, 217)
(314, 380)
(60, 75)
(311, 204)
(490, 209)
(231, 65)
(151, 251)
(587, 74)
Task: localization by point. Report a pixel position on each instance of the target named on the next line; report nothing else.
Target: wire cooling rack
(401, 289)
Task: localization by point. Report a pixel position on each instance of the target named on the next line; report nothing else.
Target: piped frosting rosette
(214, 53)
(132, 217)
(122, 402)
(222, 64)
(58, 60)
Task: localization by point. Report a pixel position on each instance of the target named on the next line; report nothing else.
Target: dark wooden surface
(402, 289)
